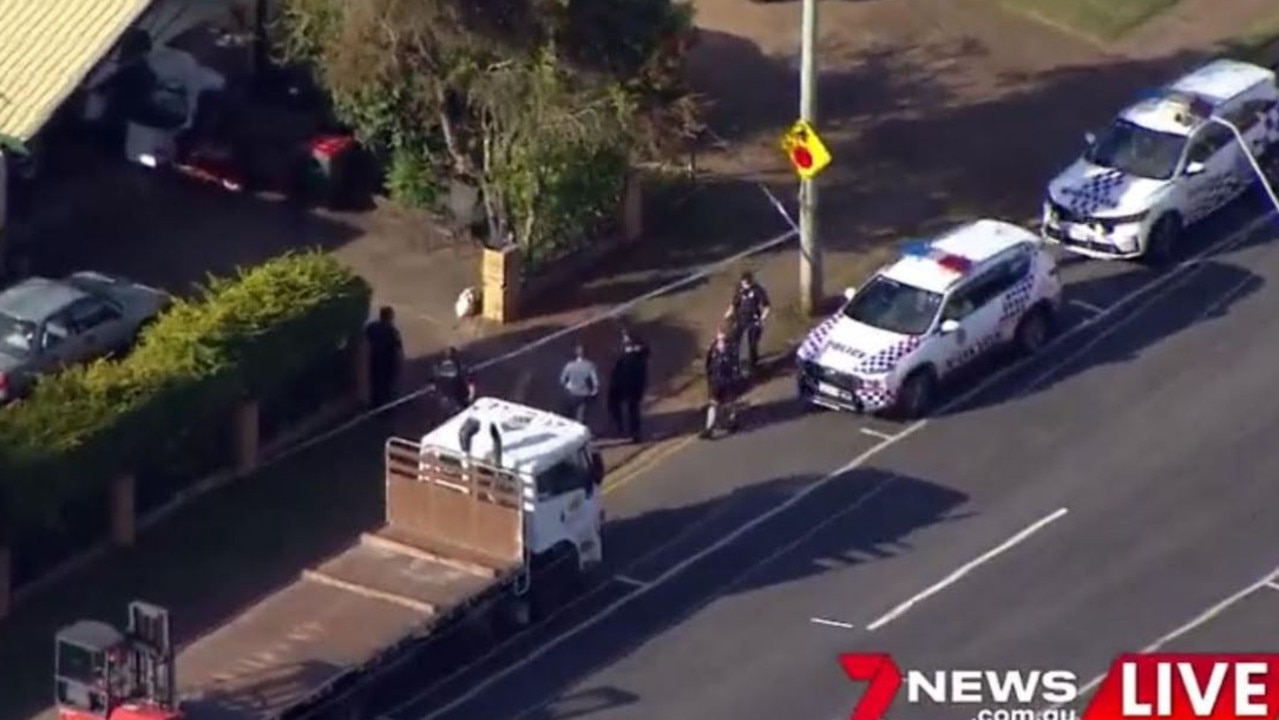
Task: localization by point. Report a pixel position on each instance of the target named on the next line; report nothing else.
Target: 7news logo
(1155, 686)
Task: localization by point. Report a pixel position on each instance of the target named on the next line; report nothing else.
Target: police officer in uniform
(453, 380)
(723, 379)
(748, 311)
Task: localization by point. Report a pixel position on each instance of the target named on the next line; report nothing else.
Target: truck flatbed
(453, 539)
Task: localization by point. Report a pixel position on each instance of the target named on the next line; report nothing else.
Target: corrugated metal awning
(47, 47)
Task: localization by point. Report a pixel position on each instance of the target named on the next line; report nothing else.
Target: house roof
(47, 47)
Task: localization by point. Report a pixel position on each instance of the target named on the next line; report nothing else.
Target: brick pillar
(6, 581)
(124, 524)
(247, 436)
(501, 277)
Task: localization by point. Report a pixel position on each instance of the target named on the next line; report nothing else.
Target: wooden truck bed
(446, 546)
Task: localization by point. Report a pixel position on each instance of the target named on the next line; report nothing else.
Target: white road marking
(625, 580)
(876, 433)
(1087, 306)
(832, 623)
(1273, 585)
(1194, 623)
(1168, 282)
(990, 381)
(959, 574)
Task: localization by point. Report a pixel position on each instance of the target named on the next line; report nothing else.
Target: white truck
(488, 518)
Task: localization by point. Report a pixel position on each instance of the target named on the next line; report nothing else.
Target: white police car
(1162, 164)
(938, 307)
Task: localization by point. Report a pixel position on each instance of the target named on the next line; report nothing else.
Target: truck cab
(552, 459)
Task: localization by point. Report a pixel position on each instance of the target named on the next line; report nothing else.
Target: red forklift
(101, 673)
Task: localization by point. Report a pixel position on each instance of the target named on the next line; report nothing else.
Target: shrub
(239, 337)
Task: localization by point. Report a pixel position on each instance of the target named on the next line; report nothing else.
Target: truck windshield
(17, 337)
(897, 307)
(1136, 150)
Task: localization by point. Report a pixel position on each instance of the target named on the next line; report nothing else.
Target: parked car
(1166, 162)
(50, 324)
(940, 306)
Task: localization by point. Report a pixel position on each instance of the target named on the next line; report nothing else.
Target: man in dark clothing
(386, 355)
(723, 368)
(454, 381)
(747, 313)
(627, 386)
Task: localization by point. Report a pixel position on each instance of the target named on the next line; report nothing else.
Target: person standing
(386, 357)
(581, 384)
(454, 381)
(723, 368)
(748, 311)
(627, 385)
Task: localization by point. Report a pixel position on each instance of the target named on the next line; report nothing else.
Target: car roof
(1181, 107)
(35, 299)
(532, 440)
(935, 265)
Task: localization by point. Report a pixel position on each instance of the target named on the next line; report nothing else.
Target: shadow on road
(811, 538)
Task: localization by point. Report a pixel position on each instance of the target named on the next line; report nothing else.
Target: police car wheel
(915, 398)
(1161, 245)
(1034, 331)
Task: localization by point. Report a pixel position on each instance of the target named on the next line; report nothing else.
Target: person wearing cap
(723, 369)
(747, 313)
(386, 356)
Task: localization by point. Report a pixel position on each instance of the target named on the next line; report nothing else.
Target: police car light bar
(924, 249)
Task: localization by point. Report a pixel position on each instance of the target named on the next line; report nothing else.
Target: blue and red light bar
(925, 249)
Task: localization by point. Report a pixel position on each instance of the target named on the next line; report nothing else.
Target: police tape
(696, 275)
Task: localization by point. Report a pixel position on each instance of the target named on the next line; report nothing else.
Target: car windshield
(17, 337)
(1136, 150)
(890, 305)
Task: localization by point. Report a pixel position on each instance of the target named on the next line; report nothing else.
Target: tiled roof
(47, 47)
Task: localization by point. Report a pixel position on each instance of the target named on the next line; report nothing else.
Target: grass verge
(1102, 20)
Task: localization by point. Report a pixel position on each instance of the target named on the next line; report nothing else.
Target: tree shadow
(164, 229)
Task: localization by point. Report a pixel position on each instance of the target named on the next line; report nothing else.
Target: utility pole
(810, 251)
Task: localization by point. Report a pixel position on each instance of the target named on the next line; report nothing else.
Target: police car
(941, 305)
(1162, 164)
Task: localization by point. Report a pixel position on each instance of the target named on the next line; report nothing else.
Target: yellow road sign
(805, 150)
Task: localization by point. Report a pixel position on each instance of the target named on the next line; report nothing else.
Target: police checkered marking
(1096, 193)
(887, 359)
(817, 339)
(1017, 299)
(1270, 124)
(875, 398)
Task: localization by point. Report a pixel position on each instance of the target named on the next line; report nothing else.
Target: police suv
(1164, 163)
(941, 305)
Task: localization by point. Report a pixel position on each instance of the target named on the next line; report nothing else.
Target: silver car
(46, 325)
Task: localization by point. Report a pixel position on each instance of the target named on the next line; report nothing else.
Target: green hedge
(239, 337)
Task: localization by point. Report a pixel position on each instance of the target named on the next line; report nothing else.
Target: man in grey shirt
(581, 383)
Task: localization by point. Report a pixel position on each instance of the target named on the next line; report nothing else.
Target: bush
(240, 337)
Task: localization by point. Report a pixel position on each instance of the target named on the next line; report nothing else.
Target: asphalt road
(1093, 500)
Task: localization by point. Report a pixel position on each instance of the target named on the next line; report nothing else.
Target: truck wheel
(1163, 241)
(1034, 330)
(915, 397)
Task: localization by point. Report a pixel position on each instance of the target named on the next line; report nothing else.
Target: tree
(541, 104)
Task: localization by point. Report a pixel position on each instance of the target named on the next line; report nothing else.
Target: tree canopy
(541, 104)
